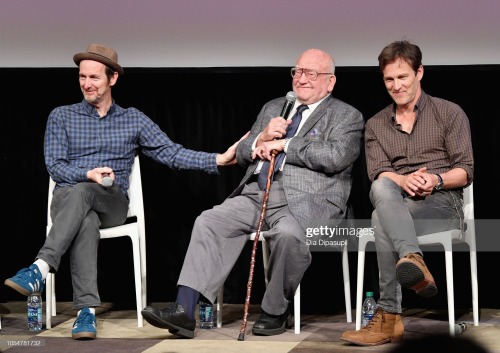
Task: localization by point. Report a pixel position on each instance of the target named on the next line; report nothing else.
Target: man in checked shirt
(85, 143)
(419, 159)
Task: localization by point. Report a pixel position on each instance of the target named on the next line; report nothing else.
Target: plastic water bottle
(460, 327)
(206, 315)
(369, 307)
(35, 312)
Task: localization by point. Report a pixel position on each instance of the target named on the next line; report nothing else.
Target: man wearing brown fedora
(89, 152)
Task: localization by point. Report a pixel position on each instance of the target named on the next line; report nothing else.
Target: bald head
(317, 79)
(321, 57)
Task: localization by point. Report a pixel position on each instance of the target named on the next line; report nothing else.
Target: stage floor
(118, 332)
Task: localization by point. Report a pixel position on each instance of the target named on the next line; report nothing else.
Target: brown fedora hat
(102, 54)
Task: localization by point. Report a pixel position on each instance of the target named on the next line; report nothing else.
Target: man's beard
(92, 99)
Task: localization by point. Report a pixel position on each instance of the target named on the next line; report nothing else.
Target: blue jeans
(77, 214)
(398, 220)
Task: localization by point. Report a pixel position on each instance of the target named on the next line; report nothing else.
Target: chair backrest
(470, 229)
(136, 207)
(469, 202)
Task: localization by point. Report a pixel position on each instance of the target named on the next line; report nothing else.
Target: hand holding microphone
(276, 128)
(274, 131)
(102, 175)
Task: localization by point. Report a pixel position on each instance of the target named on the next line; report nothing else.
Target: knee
(203, 220)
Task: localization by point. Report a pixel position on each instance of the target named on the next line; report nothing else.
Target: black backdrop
(208, 109)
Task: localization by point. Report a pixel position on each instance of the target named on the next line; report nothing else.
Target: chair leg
(143, 280)
(53, 297)
(347, 283)
(49, 300)
(296, 308)
(360, 281)
(448, 254)
(138, 280)
(474, 284)
(220, 301)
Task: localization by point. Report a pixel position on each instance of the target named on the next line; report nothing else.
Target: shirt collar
(418, 106)
(90, 109)
(310, 106)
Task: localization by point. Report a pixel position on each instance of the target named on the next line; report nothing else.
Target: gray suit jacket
(319, 160)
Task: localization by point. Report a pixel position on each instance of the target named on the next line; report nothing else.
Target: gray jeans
(77, 214)
(398, 220)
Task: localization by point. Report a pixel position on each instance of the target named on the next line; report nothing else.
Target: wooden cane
(241, 336)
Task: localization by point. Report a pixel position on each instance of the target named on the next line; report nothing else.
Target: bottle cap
(369, 294)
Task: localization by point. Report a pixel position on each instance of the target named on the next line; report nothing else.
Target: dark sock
(188, 298)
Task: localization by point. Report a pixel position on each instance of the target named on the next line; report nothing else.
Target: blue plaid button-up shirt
(77, 140)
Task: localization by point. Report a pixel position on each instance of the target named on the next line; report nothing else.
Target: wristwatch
(439, 185)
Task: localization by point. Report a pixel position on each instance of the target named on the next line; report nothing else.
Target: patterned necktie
(291, 130)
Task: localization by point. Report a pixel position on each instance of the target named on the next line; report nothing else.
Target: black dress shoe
(172, 317)
(269, 325)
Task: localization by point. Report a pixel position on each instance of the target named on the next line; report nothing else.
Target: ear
(113, 79)
(420, 72)
(331, 83)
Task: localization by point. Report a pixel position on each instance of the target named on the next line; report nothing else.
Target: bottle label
(34, 312)
(206, 316)
(35, 318)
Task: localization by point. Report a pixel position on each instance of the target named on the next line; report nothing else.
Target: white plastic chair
(296, 298)
(447, 239)
(135, 230)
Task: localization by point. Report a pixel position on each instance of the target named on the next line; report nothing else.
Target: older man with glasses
(318, 147)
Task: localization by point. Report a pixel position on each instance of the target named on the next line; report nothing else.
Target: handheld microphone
(287, 107)
(106, 180)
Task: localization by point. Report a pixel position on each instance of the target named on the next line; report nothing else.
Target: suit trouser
(397, 222)
(77, 214)
(219, 235)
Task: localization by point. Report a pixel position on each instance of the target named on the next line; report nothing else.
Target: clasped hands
(419, 183)
(271, 139)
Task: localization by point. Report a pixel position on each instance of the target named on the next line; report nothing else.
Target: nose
(86, 83)
(303, 77)
(397, 84)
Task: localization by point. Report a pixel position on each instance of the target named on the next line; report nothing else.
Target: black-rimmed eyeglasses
(311, 74)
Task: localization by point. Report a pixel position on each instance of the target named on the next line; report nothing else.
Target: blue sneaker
(27, 281)
(84, 327)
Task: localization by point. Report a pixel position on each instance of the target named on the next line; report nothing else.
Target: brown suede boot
(412, 273)
(384, 327)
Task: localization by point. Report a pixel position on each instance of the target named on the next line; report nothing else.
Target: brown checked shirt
(440, 140)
